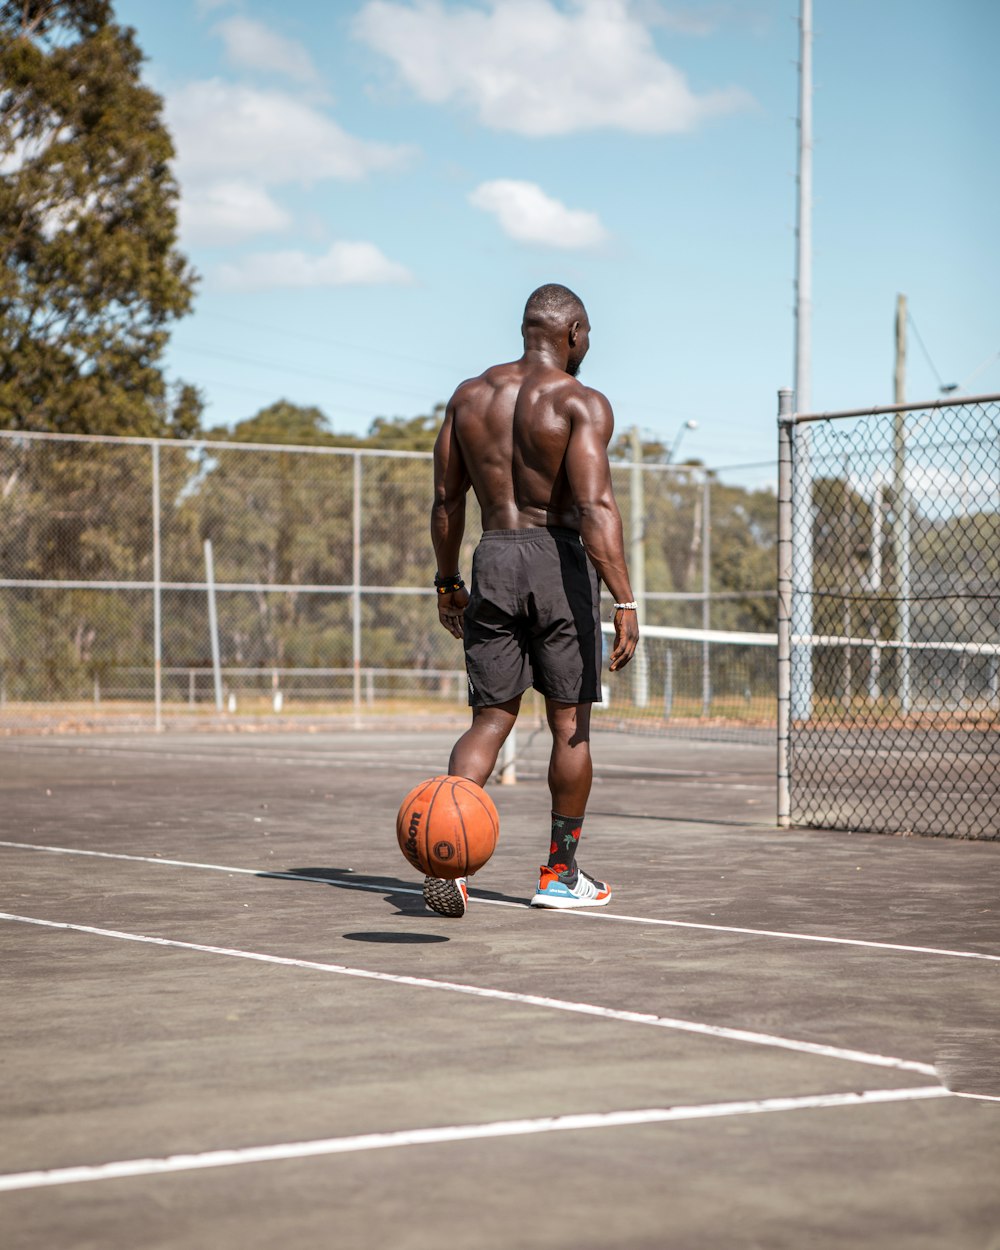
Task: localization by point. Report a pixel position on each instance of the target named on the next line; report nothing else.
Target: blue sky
(371, 188)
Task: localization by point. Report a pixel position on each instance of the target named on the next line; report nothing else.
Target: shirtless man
(532, 442)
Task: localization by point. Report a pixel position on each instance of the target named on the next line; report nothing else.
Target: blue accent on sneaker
(555, 892)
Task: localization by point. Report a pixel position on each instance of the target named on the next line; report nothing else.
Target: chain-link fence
(889, 618)
(149, 579)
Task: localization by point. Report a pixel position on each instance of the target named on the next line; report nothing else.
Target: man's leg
(562, 883)
(570, 768)
(474, 755)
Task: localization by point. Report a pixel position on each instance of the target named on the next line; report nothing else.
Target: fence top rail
(212, 444)
(308, 449)
(965, 401)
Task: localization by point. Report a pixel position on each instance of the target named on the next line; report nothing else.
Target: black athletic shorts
(533, 618)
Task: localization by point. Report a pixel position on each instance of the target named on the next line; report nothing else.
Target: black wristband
(448, 585)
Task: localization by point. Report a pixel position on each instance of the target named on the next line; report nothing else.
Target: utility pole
(802, 558)
(803, 231)
(901, 511)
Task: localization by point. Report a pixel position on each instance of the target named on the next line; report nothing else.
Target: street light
(688, 425)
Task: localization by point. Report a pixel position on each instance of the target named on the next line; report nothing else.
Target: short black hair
(554, 304)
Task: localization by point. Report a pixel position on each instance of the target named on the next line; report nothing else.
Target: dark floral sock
(562, 849)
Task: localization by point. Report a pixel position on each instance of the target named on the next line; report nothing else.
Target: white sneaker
(585, 892)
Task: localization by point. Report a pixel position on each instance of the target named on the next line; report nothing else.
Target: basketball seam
(461, 821)
(427, 822)
(493, 819)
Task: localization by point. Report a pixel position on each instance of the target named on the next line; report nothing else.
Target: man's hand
(451, 611)
(626, 638)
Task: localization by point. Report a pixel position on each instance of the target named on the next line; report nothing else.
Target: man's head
(556, 315)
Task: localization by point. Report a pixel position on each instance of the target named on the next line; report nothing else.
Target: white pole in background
(803, 233)
(706, 586)
(802, 562)
(213, 623)
(637, 567)
(356, 587)
(901, 509)
(157, 599)
(508, 760)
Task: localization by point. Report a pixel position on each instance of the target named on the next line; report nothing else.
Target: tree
(90, 274)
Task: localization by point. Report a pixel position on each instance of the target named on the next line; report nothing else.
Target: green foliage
(90, 275)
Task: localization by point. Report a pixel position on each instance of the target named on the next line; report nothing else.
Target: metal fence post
(902, 558)
(637, 567)
(356, 584)
(706, 587)
(213, 623)
(802, 574)
(786, 430)
(157, 598)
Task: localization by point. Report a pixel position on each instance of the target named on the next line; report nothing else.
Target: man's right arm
(589, 475)
(451, 486)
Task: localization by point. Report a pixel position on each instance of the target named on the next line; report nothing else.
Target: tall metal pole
(802, 560)
(803, 232)
(901, 509)
(637, 567)
(356, 587)
(157, 599)
(786, 432)
(706, 587)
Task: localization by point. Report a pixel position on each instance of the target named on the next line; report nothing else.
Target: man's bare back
(513, 426)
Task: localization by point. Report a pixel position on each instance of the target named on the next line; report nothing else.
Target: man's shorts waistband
(533, 534)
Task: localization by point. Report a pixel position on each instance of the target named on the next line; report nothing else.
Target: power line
(978, 369)
(326, 341)
(304, 373)
(942, 385)
(258, 393)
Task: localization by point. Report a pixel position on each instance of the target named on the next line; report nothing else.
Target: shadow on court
(404, 895)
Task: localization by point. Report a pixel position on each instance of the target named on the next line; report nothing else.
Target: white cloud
(252, 45)
(539, 69)
(527, 214)
(224, 129)
(343, 264)
(229, 212)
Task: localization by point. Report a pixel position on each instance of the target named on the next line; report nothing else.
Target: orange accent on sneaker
(548, 877)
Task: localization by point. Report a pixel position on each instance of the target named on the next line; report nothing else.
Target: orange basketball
(447, 827)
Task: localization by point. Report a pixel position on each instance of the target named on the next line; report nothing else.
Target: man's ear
(574, 333)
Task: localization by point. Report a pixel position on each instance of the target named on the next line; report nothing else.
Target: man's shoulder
(491, 379)
(589, 400)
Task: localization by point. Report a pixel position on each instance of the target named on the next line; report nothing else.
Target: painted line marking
(589, 914)
(508, 996)
(462, 1132)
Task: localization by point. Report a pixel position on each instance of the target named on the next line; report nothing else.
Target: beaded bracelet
(448, 585)
(626, 607)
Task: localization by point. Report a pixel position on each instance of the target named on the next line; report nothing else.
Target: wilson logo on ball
(410, 845)
(444, 850)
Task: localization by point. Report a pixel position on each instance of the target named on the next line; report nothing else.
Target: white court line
(590, 914)
(461, 1132)
(507, 996)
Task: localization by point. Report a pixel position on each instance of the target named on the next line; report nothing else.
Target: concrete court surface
(785, 1040)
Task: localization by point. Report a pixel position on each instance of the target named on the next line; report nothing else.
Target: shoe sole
(444, 897)
(568, 904)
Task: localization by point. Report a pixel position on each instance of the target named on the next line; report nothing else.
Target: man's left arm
(451, 488)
